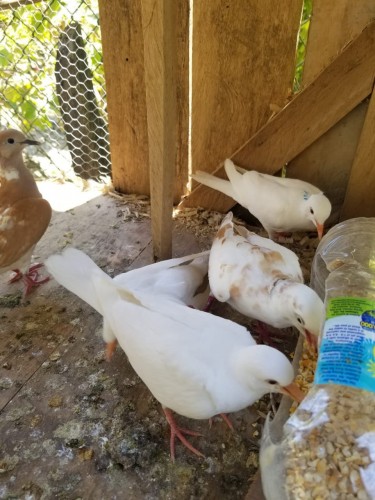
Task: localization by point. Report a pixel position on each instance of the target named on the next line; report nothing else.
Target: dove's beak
(320, 229)
(111, 347)
(30, 142)
(293, 391)
(311, 340)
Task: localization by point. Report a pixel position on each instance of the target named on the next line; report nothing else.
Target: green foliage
(27, 59)
(302, 42)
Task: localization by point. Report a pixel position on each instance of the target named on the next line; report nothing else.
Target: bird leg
(179, 433)
(30, 279)
(210, 300)
(110, 349)
(282, 237)
(225, 417)
(263, 333)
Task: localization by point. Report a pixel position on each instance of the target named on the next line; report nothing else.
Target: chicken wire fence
(52, 85)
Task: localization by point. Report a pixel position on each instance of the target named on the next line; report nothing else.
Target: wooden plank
(182, 89)
(328, 161)
(332, 26)
(160, 50)
(122, 40)
(243, 62)
(359, 199)
(309, 115)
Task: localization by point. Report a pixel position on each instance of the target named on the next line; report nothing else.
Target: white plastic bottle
(327, 449)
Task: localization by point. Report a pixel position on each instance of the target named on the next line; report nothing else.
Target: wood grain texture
(243, 61)
(333, 25)
(160, 53)
(360, 198)
(182, 89)
(122, 40)
(309, 115)
(329, 160)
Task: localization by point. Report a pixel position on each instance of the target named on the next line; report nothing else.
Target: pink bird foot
(179, 433)
(30, 279)
(225, 417)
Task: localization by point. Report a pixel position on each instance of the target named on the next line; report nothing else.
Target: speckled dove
(24, 214)
(263, 280)
(280, 204)
(194, 363)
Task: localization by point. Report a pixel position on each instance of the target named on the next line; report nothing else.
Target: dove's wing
(178, 352)
(290, 183)
(182, 278)
(288, 264)
(21, 227)
(247, 263)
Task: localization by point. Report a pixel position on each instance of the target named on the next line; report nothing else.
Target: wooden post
(121, 29)
(160, 47)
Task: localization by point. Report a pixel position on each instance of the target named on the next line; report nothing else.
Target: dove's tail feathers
(233, 172)
(213, 182)
(226, 227)
(75, 270)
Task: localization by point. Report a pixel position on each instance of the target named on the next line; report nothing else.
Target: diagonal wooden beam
(334, 93)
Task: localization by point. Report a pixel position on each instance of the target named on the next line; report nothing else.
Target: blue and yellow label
(347, 350)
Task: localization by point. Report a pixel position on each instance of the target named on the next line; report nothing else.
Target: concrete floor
(76, 427)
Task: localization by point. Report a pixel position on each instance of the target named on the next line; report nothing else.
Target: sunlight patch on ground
(67, 195)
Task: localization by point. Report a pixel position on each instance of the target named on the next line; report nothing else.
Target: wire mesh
(52, 85)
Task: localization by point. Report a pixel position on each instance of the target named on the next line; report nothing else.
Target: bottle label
(347, 350)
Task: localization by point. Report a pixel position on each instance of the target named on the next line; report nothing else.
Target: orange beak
(293, 391)
(311, 340)
(320, 229)
(111, 347)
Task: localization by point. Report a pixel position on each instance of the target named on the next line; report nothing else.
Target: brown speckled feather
(24, 214)
(21, 227)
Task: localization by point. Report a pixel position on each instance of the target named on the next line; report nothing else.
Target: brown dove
(24, 214)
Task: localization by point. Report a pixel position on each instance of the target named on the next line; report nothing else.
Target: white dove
(183, 280)
(263, 280)
(196, 364)
(280, 204)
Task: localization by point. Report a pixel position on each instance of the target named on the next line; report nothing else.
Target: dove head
(265, 369)
(305, 310)
(317, 209)
(12, 143)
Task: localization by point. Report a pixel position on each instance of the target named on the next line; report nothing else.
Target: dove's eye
(272, 382)
(311, 211)
(300, 320)
(10, 140)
